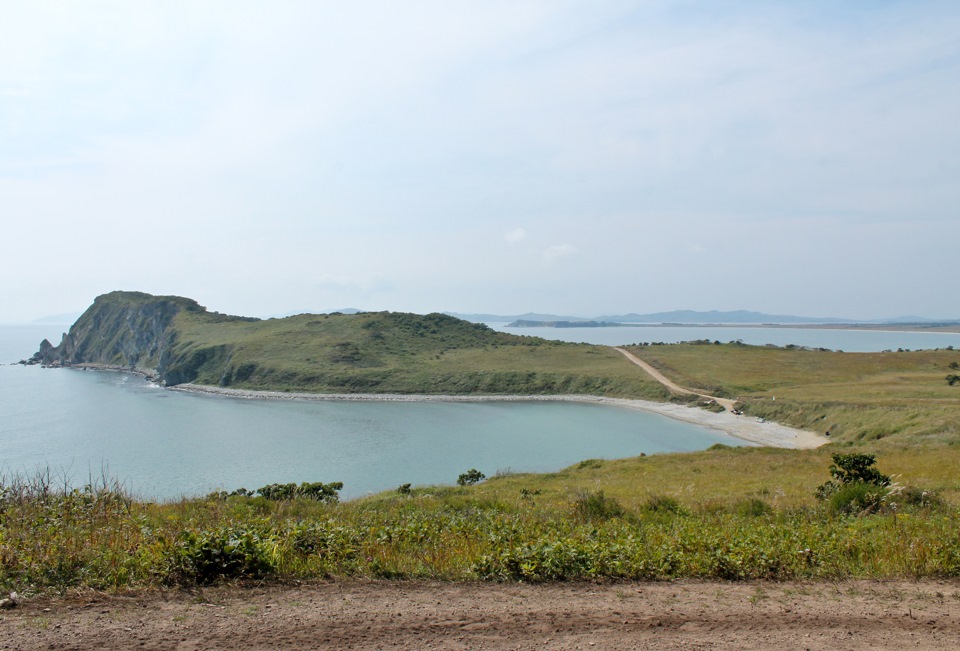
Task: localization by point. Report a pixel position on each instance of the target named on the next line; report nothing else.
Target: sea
(93, 426)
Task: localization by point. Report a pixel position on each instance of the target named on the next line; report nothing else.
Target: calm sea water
(851, 341)
(164, 443)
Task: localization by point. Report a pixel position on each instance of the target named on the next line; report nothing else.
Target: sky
(566, 157)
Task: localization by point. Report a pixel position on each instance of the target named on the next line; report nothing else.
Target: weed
(663, 504)
(595, 506)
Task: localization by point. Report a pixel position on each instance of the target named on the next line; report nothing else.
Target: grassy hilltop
(389, 352)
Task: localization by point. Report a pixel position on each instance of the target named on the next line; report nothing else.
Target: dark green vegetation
(645, 518)
(315, 490)
(471, 477)
(377, 352)
(890, 399)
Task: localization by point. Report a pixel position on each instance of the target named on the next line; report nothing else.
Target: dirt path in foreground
(425, 615)
(726, 403)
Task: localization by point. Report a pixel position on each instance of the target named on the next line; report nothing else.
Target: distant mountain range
(687, 317)
(684, 317)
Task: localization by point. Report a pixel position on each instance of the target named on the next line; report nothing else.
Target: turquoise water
(164, 443)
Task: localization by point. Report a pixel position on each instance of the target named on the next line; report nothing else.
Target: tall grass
(517, 527)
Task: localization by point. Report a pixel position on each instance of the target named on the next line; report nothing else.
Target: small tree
(851, 468)
(952, 379)
(856, 484)
(471, 477)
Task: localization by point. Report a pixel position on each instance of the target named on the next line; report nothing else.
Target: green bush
(753, 508)
(308, 490)
(204, 557)
(471, 477)
(856, 498)
(662, 504)
(853, 469)
(595, 507)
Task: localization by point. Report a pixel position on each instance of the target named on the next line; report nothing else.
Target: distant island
(523, 323)
(699, 318)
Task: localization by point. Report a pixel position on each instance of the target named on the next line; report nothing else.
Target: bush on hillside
(471, 477)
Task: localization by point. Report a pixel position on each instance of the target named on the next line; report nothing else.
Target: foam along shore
(745, 428)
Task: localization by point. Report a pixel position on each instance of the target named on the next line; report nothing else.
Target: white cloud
(515, 236)
(553, 253)
(403, 139)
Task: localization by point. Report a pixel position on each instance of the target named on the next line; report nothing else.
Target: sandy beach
(742, 427)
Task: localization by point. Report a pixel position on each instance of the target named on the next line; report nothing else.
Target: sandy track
(726, 403)
(423, 615)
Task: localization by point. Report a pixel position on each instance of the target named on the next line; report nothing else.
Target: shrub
(663, 504)
(852, 469)
(857, 487)
(403, 489)
(308, 490)
(592, 506)
(471, 477)
(203, 557)
(916, 497)
(753, 508)
(856, 498)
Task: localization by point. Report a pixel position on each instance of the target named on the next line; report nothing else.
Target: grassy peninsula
(731, 514)
(178, 341)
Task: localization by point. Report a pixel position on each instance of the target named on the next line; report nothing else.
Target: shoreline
(744, 428)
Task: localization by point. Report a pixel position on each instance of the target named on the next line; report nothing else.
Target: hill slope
(178, 341)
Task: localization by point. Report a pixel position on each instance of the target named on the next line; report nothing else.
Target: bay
(164, 444)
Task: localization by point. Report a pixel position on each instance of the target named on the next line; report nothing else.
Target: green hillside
(378, 352)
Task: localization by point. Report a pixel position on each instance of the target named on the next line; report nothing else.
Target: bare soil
(426, 615)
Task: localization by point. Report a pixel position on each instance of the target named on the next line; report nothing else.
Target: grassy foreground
(661, 517)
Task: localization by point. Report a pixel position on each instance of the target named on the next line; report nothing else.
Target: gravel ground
(425, 615)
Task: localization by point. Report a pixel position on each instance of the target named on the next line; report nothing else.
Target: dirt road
(726, 403)
(425, 615)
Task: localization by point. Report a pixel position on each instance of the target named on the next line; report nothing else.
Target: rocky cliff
(129, 330)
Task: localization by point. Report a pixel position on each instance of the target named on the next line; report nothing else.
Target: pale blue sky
(567, 157)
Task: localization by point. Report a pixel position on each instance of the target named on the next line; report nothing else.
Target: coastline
(744, 428)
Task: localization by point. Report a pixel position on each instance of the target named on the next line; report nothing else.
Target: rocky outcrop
(127, 330)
